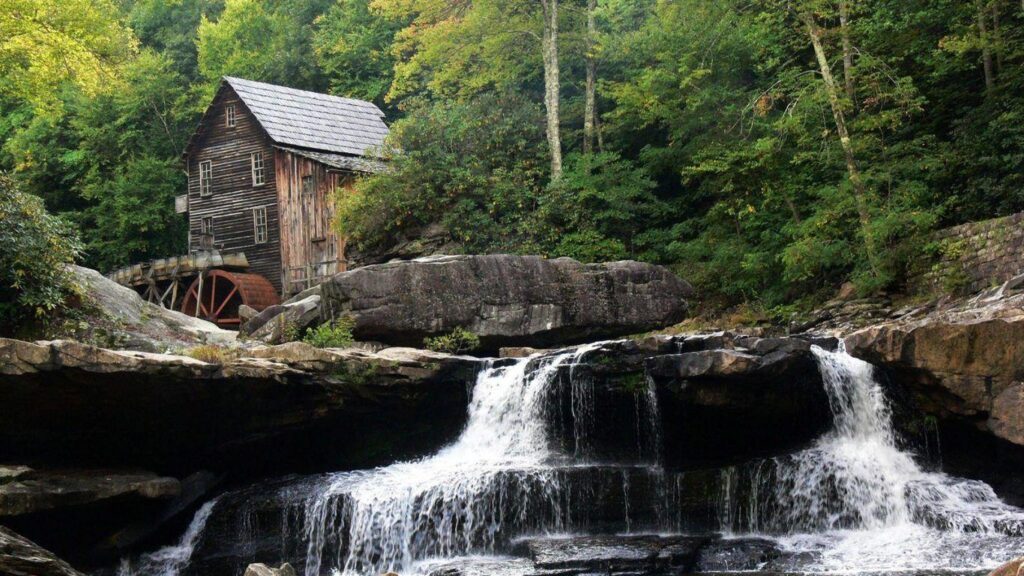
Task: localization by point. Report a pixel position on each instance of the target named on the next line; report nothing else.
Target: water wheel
(216, 295)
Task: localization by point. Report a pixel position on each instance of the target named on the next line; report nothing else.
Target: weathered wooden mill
(264, 166)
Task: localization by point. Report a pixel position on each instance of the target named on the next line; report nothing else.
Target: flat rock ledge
(26, 491)
(178, 415)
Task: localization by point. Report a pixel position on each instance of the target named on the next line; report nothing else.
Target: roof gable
(310, 120)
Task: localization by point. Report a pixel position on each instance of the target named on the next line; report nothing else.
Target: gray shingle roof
(341, 161)
(312, 120)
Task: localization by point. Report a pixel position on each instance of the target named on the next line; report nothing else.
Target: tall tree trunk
(844, 28)
(590, 108)
(859, 190)
(997, 36)
(986, 51)
(552, 85)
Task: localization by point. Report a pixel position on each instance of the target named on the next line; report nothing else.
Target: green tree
(45, 43)
(35, 251)
(261, 40)
(353, 42)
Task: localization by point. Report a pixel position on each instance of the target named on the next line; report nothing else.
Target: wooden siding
(233, 195)
(310, 248)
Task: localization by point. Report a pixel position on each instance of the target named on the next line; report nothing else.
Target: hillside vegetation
(766, 150)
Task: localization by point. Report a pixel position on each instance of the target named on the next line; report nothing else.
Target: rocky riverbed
(111, 451)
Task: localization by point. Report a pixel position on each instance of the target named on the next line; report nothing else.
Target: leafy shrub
(212, 354)
(458, 341)
(334, 334)
(36, 249)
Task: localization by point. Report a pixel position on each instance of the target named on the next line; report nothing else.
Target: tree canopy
(767, 150)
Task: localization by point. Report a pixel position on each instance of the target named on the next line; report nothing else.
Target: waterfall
(859, 500)
(170, 560)
(533, 460)
(503, 476)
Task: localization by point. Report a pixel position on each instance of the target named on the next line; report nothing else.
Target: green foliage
(36, 249)
(476, 167)
(599, 210)
(260, 40)
(45, 44)
(718, 156)
(458, 341)
(353, 43)
(333, 334)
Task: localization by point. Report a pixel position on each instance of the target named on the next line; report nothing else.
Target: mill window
(257, 169)
(205, 177)
(229, 115)
(307, 185)
(259, 224)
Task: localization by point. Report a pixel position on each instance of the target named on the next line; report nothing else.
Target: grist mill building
(264, 168)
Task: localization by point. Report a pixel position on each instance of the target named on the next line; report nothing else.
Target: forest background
(766, 150)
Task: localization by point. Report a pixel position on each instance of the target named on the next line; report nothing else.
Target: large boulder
(20, 556)
(961, 363)
(506, 300)
(956, 365)
(279, 323)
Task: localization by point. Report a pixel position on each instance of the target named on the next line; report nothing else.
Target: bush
(36, 248)
(458, 341)
(212, 354)
(334, 334)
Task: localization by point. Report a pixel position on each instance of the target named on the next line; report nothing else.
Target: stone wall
(977, 255)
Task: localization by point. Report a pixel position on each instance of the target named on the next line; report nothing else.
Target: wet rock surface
(506, 300)
(20, 556)
(640, 555)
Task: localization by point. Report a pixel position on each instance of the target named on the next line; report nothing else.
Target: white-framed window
(229, 115)
(259, 224)
(205, 177)
(257, 169)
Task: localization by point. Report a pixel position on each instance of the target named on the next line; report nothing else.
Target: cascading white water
(857, 501)
(501, 473)
(170, 560)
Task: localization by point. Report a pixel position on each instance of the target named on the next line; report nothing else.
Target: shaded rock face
(506, 300)
(719, 395)
(716, 394)
(290, 408)
(20, 556)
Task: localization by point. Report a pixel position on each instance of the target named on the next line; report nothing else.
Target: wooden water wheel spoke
(217, 295)
(226, 300)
